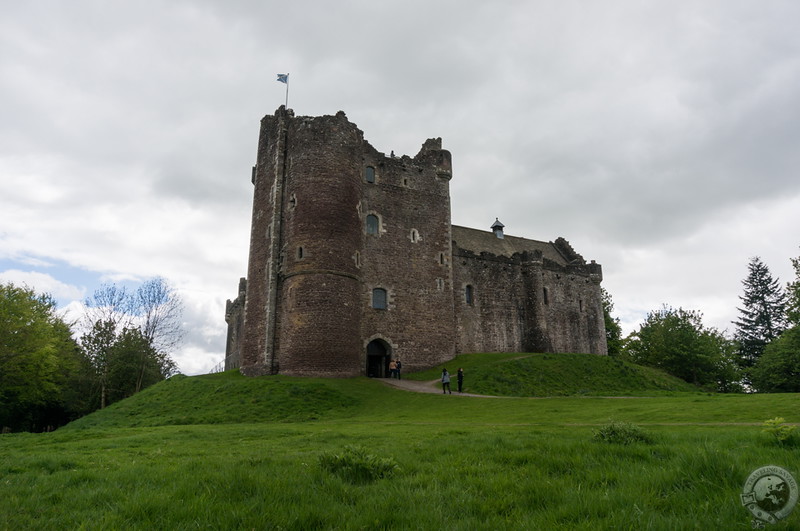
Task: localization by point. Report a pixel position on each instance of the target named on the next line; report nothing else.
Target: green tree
(793, 295)
(762, 317)
(778, 369)
(613, 328)
(676, 342)
(130, 337)
(37, 358)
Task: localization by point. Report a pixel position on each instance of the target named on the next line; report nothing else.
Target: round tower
(318, 305)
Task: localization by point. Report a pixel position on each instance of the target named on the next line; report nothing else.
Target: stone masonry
(354, 262)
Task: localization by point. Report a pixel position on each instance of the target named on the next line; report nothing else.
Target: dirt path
(431, 386)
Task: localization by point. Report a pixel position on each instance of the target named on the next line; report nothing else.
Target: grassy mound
(557, 375)
(223, 398)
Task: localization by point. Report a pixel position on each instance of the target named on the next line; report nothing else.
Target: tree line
(762, 354)
(53, 371)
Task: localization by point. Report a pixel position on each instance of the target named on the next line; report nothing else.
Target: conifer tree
(793, 295)
(762, 317)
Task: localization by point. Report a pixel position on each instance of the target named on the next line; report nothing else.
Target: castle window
(405, 182)
(299, 253)
(292, 202)
(379, 298)
(369, 174)
(414, 236)
(469, 294)
(439, 284)
(441, 258)
(372, 224)
(544, 293)
(358, 259)
(580, 305)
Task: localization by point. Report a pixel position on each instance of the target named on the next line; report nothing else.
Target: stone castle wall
(334, 221)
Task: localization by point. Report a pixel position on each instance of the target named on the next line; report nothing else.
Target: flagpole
(284, 78)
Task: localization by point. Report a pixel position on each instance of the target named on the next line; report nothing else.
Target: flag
(283, 78)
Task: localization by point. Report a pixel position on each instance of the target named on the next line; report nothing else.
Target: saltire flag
(283, 78)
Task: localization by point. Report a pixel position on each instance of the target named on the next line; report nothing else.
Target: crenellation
(307, 308)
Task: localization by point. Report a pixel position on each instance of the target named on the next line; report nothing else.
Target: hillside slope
(230, 398)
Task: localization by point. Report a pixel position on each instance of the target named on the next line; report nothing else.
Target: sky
(662, 139)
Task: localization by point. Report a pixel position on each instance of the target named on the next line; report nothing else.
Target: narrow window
(379, 298)
(469, 294)
(414, 236)
(439, 284)
(372, 224)
(580, 304)
(358, 259)
(405, 182)
(441, 258)
(546, 301)
(292, 202)
(369, 174)
(299, 253)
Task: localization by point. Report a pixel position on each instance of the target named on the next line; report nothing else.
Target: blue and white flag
(283, 78)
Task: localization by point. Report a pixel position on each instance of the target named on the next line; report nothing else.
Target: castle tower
(302, 313)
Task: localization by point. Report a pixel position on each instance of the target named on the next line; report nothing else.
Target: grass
(227, 452)
(557, 375)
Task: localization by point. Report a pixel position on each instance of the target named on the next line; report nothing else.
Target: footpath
(431, 386)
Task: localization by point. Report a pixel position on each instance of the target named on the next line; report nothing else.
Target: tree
(762, 317)
(793, 295)
(613, 328)
(676, 342)
(37, 358)
(778, 369)
(130, 337)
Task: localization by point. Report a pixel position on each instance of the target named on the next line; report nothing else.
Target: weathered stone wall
(409, 257)
(234, 316)
(313, 265)
(320, 287)
(526, 303)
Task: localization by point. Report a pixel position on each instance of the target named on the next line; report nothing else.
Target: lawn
(227, 452)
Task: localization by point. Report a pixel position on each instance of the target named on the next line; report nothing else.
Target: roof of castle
(478, 241)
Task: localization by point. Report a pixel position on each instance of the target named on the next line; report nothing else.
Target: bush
(621, 433)
(778, 429)
(355, 465)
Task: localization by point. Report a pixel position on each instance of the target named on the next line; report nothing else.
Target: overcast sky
(662, 139)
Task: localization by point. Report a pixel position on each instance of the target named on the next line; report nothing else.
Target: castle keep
(353, 262)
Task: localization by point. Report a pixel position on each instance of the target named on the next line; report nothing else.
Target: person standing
(460, 378)
(446, 382)
(392, 369)
(397, 367)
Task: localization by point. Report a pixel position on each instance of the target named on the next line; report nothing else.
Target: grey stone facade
(353, 261)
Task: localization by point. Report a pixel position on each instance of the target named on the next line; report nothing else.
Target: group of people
(446, 380)
(394, 369)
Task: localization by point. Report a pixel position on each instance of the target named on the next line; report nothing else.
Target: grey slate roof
(479, 241)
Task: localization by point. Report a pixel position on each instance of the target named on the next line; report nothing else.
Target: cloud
(659, 139)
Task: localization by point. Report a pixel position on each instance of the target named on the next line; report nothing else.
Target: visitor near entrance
(446, 382)
(460, 378)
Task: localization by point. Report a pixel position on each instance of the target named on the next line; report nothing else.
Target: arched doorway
(378, 354)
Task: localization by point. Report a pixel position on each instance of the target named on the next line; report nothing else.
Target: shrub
(621, 433)
(777, 428)
(355, 465)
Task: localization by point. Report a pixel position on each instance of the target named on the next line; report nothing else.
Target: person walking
(460, 378)
(446, 382)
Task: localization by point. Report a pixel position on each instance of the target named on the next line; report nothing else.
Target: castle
(354, 262)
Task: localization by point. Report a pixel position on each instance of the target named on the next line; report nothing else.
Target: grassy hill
(227, 452)
(557, 375)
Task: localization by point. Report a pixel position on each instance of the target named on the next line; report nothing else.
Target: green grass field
(227, 452)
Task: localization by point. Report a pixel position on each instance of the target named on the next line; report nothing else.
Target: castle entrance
(378, 355)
